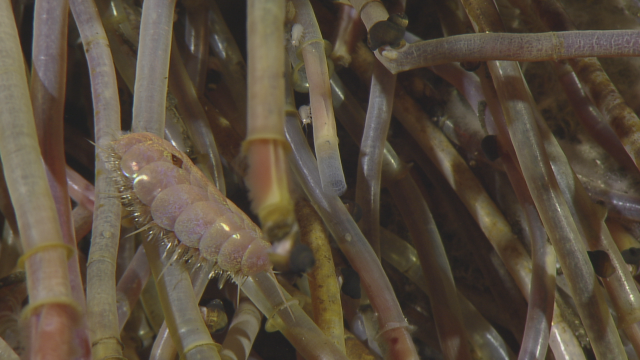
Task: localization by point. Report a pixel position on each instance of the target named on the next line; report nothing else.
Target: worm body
(168, 194)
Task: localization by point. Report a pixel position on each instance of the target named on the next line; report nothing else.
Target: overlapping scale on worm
(169, 195)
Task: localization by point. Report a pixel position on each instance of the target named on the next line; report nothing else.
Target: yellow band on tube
(43, 247)
(32, 307)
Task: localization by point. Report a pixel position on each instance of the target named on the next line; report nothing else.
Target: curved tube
(392, 322)
(512, 47)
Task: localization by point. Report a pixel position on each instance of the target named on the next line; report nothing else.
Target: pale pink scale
(156, 177)
(256, 258)
(218, 234)
(232, 252)
(197, 178)
(126, 142)
(170, 203)
(183, 200)
(167, 144)
(142, 155)
(247, 223)
(195, 220)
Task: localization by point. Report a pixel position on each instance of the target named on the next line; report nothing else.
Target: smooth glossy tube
(130, 285)
(352, 118)
(543, 273)
(471, 192)
(234, 69)
(180, 306)
(82, 221)
(152, 67)
(242, 331)
(6, 352)
(119, 32)
(376, 127)
(562, 341)
(554, 211)
(441, 288)
(590, 219)
(164, 348)
(485, 339)
(324, 124)
(53, 314)
(392, 322)
(48, 87)
(80, 190)
(288, 317)
(196, 38)
(195, 118)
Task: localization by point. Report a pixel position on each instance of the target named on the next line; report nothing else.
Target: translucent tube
(590, 219)
(341, 224)
(620, 285)
(390, 318)
(511, 47)
(441, 288)
(152, 67)
(324, 124)
(370, 11)
(6, 352)
(80, 190)
(195, 118)
(288, 317)
(484, 338)
(543, 273)
(116, 24)
(196, 37)
(180, 306)
(400, 254)
(383, 85)
(224, 46)
(481, 207)
(618, 204)
(562, 349)
(48, 87)
(471, 192)
(554, 212)
(52, 313)
(242, 331)
(467, 131)
(562, 340)
(82, 221)
(130, 285)
(164, 348)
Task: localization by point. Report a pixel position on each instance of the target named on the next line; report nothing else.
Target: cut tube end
(330, 168)
(268, 184)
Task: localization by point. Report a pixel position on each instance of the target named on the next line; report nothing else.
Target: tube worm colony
(476, 198)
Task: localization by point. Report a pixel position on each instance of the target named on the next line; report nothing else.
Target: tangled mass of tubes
(175, 184)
